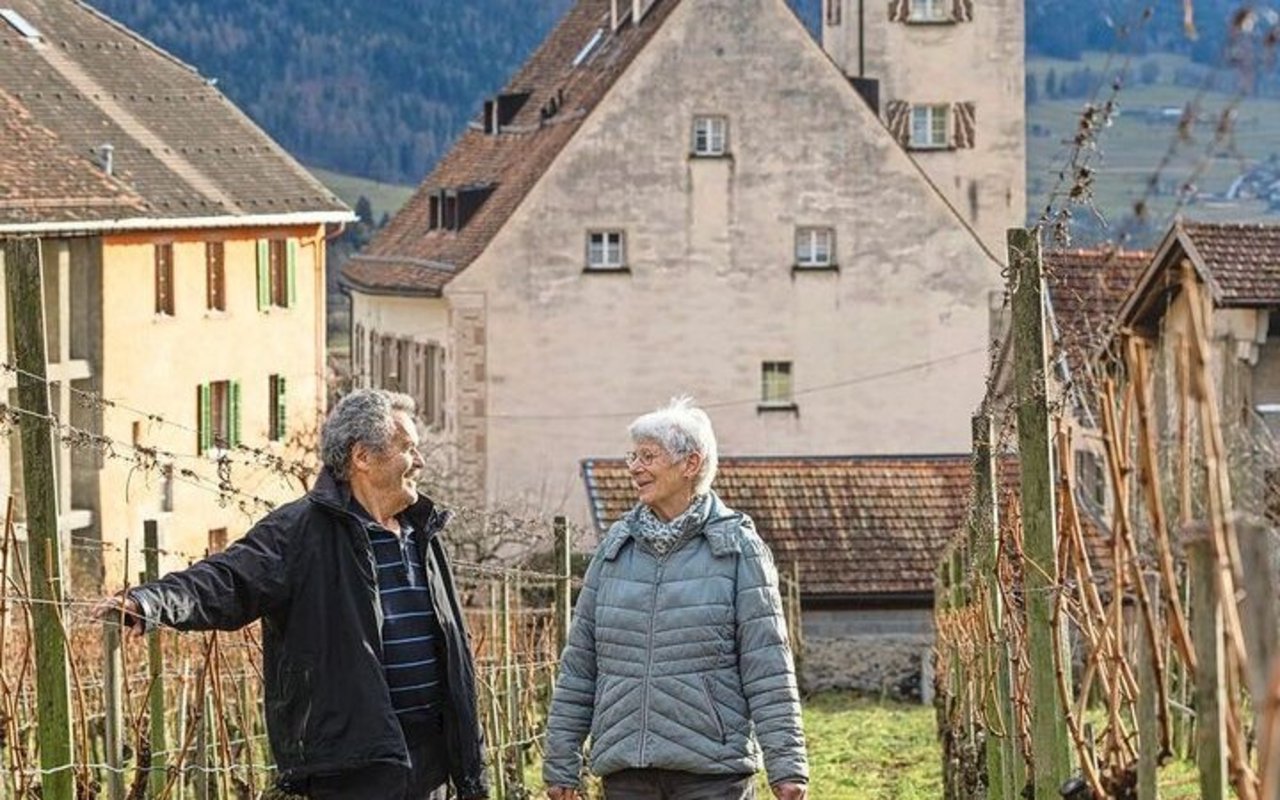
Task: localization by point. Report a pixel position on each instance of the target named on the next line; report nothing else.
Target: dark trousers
(426, 779)
(665, 784)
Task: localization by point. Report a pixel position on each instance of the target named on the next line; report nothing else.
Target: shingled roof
(1238, 262)
(180, 151)
(565, 79)
(1086, 290)
(859, 527)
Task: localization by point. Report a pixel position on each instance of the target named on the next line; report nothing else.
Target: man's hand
(791, 791)
(562, 793)
(123, 609)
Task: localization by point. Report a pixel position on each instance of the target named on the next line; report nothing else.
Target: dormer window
(451, 209)
(501, 110)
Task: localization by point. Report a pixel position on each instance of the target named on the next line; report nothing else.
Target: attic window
(500, 111)
(590, 48)
(450, 209)
(20, 24)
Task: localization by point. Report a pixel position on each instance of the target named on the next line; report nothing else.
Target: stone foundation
(882, 665)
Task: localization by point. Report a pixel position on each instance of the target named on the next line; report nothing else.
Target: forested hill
(379, 88)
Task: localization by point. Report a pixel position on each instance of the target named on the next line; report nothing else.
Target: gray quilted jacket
(674, 662)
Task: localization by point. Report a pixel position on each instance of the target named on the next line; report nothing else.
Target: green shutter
(204, 417)
(280, 408)
(264, 275)
(234, 425)
(292, 275)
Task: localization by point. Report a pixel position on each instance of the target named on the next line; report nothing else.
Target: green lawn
(1139, 138)
(385, 198)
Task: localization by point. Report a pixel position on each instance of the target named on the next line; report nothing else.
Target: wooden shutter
(264, 274)
(962, 10)
(897, 117)
(233, 426)
(963, 123)
(899, 10)
(204, 417)
(292, 276)
(281, 408)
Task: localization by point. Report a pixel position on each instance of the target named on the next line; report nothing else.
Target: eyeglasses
(644, 458)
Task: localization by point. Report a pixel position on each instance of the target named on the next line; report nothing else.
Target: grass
(384, 198)
(1137, 141)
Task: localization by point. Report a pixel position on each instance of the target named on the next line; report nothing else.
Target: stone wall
(878, 665)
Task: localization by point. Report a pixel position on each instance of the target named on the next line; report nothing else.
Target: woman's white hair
(681, 428)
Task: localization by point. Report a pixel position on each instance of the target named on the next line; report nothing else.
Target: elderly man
(368, 675)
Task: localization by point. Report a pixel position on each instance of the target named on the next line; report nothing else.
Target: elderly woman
(678, 652)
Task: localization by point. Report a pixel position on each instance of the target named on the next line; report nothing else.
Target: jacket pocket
(711, 708)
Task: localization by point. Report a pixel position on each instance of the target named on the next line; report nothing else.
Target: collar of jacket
(335, 495)
(720, 528)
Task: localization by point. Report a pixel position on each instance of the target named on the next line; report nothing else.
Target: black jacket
(307, 571)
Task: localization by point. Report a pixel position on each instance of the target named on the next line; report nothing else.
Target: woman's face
(662, 483)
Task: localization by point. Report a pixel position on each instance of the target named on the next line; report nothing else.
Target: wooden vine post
(1050, 745)
(25, 290)
(155, 660)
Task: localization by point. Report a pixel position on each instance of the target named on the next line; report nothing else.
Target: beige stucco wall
(979, 61)
(156, 363)
(570, 357)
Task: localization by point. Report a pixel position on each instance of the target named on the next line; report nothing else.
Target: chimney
(106, 158)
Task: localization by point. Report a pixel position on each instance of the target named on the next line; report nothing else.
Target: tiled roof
(180, 148)
(404, 257)
(41, 178)
(1243, 260)
(858, 526)
(1086, 290)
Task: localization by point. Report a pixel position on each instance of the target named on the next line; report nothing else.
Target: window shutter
(281, 406)
(962, 10)
(897, 117)
(264, 274)
(963, 123)
(234, 403)
(899, 10)
(292, 275)
(204, 418)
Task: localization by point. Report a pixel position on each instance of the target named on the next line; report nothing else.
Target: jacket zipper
(648, 667)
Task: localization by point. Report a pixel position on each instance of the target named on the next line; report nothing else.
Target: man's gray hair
(681, 428)
(365, 416)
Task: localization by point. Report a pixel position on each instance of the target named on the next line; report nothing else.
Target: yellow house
(183, 256)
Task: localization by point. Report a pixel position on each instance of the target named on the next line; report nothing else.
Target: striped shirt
(411, 635)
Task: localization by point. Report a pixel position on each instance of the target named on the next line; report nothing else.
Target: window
(164, 279)
(428, 384)
(606, 250)
(815, 247)
(218, 415)
(277, 409)
(930, 11)
(710, 136)
(775, 384)
(357, 357)
(929, 126)
(277, 273)
(390, 377)
(833, 12)
(217, 541)
(215, 277)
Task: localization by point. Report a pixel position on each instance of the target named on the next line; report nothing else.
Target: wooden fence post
(1149, 695)
(563, 611)
(1001, 745)
(1050, 747)
(113, 708)
(511, 755)
(25, 290)
(1259, 610)
(1210, 700)
(155, 660)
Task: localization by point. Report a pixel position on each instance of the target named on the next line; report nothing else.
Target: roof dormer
(499, 111)
(450, 209)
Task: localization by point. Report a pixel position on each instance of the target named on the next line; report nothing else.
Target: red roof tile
(1243, 260)
(857, 526)
(178, 143)
(1086, 290)
(405, 257)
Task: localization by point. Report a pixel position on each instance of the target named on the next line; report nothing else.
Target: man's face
(392, 474)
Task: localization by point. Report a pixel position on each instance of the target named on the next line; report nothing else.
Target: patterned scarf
(664, 536)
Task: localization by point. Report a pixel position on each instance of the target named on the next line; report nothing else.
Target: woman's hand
(790, 791)
(562, 793)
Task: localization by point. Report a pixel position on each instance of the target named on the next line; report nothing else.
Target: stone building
(183, 259)
(691, 196)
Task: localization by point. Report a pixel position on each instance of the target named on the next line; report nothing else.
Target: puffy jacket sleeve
(573, 702)
(225, 591)
(765, 664)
